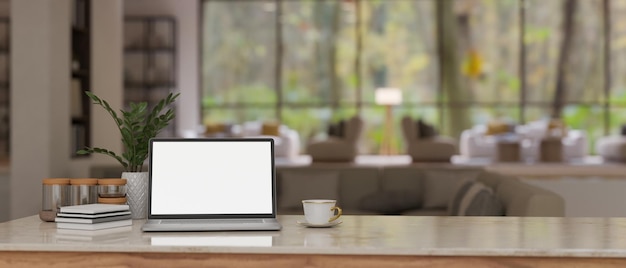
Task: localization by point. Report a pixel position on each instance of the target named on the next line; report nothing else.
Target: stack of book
(93, 217)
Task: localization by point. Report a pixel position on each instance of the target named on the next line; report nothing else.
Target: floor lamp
(388, 97)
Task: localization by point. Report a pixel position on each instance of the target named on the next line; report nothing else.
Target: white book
(94, 226)
(92, 216)
(92, 220)
(93, 208)
(117, 234)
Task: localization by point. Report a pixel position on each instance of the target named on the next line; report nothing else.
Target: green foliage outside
(320, 81)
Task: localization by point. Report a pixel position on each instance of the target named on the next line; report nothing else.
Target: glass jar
(55, 194)
(114, 187)
(84, 191)
(112, 200)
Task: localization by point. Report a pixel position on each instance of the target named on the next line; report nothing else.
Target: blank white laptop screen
(211, 177)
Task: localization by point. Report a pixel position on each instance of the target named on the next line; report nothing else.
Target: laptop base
(205, 226)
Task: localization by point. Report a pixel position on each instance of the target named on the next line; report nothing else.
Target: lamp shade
(388, 96)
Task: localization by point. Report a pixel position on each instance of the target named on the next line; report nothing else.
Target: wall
(5, 8)
(40, 125)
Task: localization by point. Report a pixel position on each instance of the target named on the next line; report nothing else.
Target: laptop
(211, 185)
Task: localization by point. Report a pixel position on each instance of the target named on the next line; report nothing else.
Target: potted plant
(137, 126)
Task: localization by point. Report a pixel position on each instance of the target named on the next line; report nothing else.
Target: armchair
(432, 149)
(338, 149)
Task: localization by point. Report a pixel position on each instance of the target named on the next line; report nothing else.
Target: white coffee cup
(320, 211)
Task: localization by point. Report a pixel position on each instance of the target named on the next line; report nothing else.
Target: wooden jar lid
(55, 181)
(83, 181)
(112, 200)
(112, 181)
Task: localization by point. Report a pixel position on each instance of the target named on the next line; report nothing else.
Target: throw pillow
(336, 129)
(214, 128)
(341, 128)
(296, 186)
(425, 130)
(475, 199)
(390, 202)
(332, 130)
(497, 127)
(270, 129)
(461, 189)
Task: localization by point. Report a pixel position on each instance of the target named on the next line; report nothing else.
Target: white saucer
(325, 225)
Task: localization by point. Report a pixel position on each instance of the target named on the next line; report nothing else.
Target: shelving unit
(5, 96)
(81, 77)
(150, 61)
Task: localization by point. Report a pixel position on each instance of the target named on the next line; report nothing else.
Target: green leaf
(137, 126)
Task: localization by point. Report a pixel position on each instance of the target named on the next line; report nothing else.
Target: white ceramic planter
(137, 193)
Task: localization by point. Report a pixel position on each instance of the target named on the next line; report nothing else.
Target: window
(309, 62)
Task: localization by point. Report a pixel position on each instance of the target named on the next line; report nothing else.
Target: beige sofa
(406, 190)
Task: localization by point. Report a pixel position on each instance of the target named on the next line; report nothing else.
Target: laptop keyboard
(212, 221)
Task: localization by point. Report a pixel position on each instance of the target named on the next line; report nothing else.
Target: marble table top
(357, 235)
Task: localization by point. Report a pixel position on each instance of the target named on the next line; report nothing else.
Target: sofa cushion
(215, 129)
(355, 183)
(523, 199)
(297, 186)
(403, 178)
(390, 202)
(336, 129)
(475, 199)
(425, 130)
(439, 187)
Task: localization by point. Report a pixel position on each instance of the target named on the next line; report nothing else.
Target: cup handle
(339, 211)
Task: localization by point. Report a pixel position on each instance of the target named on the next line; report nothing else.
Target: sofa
(407, 190)
(478, 143)
(612, 148)
(396, 190)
